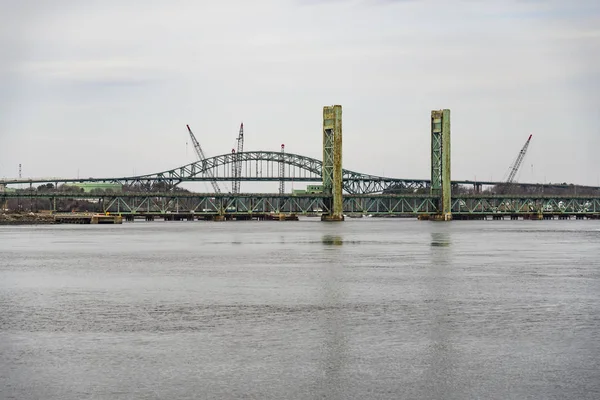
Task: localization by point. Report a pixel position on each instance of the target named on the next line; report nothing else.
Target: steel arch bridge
(263, 166)
(256, 166)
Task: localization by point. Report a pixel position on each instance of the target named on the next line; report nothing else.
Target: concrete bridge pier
(332, 163)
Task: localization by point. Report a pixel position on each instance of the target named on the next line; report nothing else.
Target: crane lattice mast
(514, 168)
(201, 157)
(237, 164)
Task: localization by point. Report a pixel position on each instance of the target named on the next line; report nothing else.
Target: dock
(187, 216)
(87, 218)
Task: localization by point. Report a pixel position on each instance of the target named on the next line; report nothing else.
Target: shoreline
(27, 219)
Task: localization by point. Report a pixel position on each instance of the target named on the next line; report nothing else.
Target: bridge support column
(332, 163)
(440, 163)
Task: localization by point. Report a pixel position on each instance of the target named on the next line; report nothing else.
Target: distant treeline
(78, 205)
(134, 188)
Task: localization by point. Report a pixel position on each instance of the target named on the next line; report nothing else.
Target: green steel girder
(327, 166)
(509, 205)
(357, 183)
(161, 203)
(436, 163)
(332, 172)
(441, 185)
(206, 204)
(390, 205)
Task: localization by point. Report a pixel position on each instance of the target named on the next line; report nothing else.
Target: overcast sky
(105, 88)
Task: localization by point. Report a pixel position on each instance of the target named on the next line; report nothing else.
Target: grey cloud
(141, 71)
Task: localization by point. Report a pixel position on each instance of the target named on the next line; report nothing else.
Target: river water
(365, 309)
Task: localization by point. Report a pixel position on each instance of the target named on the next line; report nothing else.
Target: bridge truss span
(376, 204)
(255, 165)
(266, 166)
(263, 166)
(517, 205)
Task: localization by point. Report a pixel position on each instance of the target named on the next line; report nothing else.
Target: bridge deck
(305, 204)
(264, 166)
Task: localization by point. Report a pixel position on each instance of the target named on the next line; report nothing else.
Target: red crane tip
(530, 136)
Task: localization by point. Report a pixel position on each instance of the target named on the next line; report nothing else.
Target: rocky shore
(26, 219)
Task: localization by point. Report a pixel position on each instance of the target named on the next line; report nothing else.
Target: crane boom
(514, 168)
(237, 165)
(201, 157)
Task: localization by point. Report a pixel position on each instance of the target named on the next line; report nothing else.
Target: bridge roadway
(263, 166)
(463, 206)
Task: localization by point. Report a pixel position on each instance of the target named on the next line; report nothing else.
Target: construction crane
(201, 157)
(514, 168)
(237, 161)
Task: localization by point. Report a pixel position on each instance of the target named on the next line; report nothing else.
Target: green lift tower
(440, 163)
(332, 163)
